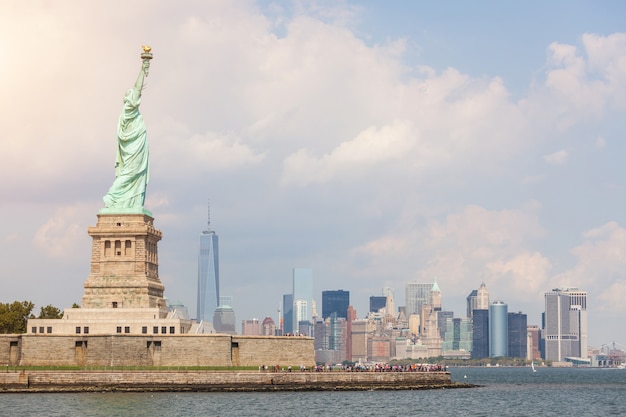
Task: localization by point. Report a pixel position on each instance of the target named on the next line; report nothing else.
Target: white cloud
(369, 148)
(580, 83)
(532, 179)
(464, 248)
(600, 265)
(526, 274)
(197, 153)
(557, 158)
(611, 298)
(384, 246)
(59, 235)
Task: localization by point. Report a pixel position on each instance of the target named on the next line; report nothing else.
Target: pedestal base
(124, 263)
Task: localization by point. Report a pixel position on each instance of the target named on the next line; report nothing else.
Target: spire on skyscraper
(208, 231)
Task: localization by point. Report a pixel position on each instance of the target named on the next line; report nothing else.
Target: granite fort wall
(219, 381)
(10, 349)
(154, 350)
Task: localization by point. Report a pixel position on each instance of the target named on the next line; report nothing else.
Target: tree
(50, 312)
(14, 316)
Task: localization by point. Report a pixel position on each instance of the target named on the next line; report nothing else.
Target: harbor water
(502, 392)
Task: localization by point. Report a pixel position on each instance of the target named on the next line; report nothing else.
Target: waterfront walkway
(171, 381)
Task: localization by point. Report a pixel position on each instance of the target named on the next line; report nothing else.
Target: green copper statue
(132, 171)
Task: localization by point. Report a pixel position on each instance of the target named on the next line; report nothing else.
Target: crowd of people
(378, 367)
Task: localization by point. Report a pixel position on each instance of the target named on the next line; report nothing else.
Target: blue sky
(374, 142)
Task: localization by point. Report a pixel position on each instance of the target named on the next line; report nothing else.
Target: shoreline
(224, 381)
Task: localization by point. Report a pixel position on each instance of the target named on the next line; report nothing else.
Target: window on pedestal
(127, 248)
(118, 248)
(107, 248)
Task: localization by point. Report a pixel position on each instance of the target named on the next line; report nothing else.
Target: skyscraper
(300, 314)
(517, 335)
(458, 334)
(565, 331)
(268, 327)
(480, 336)
(251, 327)
(377, 302)
(390, 303)
(351, 318)
(224, 317)
(335, 302)
(471, 303)
(303, 292)
(417, 294)
(288, 323)
(498, 329)
(534, 337)
(442, 317)
(208, 275)
(478, 300)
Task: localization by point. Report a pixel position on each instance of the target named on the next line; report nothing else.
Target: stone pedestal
(124, 263)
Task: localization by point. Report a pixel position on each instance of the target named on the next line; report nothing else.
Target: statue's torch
(146, 56)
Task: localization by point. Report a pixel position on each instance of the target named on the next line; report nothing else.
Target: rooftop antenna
(209, 214)
(208, 231)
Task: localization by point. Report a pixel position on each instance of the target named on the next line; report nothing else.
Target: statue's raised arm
(132, 173)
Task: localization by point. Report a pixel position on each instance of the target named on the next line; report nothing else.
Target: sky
(376, 143)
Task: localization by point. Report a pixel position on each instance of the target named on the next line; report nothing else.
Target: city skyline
(375, 143)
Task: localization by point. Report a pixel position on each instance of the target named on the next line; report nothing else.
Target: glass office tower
(287, 325)
(458, 334)
(480, 335)
(335, 302)
(518, 335)
(377, 302)
(208, 276)
(498, 329)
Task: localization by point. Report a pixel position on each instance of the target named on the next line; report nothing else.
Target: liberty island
(124, 322)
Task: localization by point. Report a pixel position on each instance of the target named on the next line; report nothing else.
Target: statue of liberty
(132, 171)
